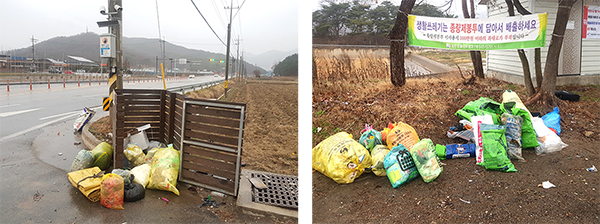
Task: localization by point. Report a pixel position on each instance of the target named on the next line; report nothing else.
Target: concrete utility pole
(33, 40)
(228, 43)
(238, 57)
(115, 64)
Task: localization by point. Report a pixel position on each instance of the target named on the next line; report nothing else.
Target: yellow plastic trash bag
(341, 158)
(134, 154)
(403, 134)
(103, 154)
(165, 169)
(89, 182)
(377, 156)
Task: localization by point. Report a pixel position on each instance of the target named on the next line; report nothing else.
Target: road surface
(36, 151)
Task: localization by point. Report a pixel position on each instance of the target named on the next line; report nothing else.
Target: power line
(219, 14)
(207, 22)
(239, 8)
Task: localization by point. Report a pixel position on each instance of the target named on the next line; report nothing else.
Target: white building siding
(506, 61)
(590, 56)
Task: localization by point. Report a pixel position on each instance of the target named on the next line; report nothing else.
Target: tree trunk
(397, 38)
(475, 55)
(538, 67)
(526, 72)
(545, 95)
(537, 58)
(521, 52)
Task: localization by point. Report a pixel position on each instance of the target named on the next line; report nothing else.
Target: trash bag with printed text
(341, 158)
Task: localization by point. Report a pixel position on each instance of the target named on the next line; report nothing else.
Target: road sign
(106, 103)
(107, 50)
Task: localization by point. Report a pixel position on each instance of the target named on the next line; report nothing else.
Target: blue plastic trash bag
(552, 121)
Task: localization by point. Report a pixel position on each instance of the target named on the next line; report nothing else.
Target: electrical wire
(239, 8)
(219, 14)
(207, 22)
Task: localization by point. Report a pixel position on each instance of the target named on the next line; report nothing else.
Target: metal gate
(211, 144)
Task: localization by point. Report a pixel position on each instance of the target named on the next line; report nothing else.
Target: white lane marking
(40, 126)
(6, 114)
(34, 128)
(11, 105)
(58, 115)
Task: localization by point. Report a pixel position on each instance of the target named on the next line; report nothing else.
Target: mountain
(268, 59)
(138, 52)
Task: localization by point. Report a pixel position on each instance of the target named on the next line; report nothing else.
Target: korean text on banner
(515, 32)
(591, 22)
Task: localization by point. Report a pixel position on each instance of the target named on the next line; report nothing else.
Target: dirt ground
(464, 192)
(270, 138)
(271, 131)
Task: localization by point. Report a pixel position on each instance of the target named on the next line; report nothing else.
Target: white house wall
(506, 61)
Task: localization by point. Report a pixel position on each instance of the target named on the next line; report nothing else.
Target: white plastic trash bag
(548, 140)
(141, 174)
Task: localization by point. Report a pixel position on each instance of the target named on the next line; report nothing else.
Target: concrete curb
(89, 140)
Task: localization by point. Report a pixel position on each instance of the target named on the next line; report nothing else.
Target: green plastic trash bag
(378, 156)
(370, 138)
(341, 158)
(480, 107)
(440, 151)
(103, 154)
(528, 137)
(494, 149)
(426, 160)
(399, 166)
(83, 160)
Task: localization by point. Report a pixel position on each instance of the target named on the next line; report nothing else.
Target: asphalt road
(37, 148)
(22, 109)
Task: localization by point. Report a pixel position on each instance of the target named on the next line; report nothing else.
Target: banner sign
(591, 22)
(515, 32)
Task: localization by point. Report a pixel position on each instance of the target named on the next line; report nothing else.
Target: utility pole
(33, 40)
(118, 32)
(228, 43)
(238, 57)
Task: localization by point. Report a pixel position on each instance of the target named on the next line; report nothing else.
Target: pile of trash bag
(399, 155)
(494, 133)
(157, 169)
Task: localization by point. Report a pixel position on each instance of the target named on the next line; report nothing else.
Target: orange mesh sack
(111, 191)
(403, 134)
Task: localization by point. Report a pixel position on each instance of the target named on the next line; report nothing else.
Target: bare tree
(398, 37)
(475, 55)
(545, 94)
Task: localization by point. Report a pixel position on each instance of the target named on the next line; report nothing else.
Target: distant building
(579, 61)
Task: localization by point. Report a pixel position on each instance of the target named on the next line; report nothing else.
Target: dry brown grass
(347, 68)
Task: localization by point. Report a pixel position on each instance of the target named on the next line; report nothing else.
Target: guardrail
(192, 87)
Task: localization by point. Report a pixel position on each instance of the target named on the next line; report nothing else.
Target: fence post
(163, 108)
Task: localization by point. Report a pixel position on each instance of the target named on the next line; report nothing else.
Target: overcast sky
(262, 25)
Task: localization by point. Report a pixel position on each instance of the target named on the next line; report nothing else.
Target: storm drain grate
(282, 190)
